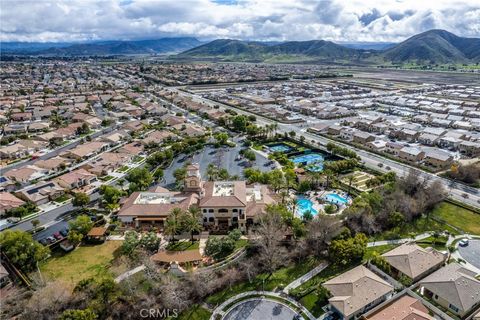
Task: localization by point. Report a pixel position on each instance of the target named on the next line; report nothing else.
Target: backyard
(82, 263)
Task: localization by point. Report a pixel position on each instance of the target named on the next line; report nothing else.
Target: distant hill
(435, 46)
(250, 50)
(164, 45)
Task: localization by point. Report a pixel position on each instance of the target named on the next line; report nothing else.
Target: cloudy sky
(337, 20)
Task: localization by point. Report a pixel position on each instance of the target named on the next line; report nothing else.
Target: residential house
(428, 139)
(377, 145)
(86, 150)
(41, 192)
(403, 308)
(24, 174)
(469, 148)
(52, 165)
(76, 179)
(357, 291)
(454, 287)
(334, 130)
(158, 137)
(411, 154)
(393, 148)
(413, 261)
(362, 137)
(8, 202)
(438, 159)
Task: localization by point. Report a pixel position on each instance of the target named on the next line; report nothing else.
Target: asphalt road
(260, 310)
(471, 253)
(51, 217)
(457, 191)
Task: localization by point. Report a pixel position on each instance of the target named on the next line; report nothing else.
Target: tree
(212, 172)
(140, 179)
(221, 138)
(158, 174)
(150, 241)
(80, 199)
(329, 208)
(269, 234)
(346, 251)
(219, 247)
(111, 196)
(130, 243)
(191, 221)
(173, 224)
(78, 314)
(82, 224)
(320, 232)
(21, 249)
(35, 223)
(74, 237)
(180, 174)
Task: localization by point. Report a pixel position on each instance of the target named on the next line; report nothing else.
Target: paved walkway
(129, 273)
(219, 309)
(307, 276)
(398, 241)
(203, 242)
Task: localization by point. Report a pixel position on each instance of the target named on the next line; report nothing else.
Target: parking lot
(224, 157)
(471, 253)
(261, 309)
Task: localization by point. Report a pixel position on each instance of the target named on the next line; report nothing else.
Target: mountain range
(432, 47)
(99, 48)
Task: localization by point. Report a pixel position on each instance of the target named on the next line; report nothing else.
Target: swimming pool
(335, 198)
(280, 148)
(308, 158)
(305, 205)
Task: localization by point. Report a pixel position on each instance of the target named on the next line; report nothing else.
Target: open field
(82, 263)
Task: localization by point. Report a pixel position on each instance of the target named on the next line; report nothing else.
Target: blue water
(280, 148)
(308, 158)
(305, 205)
(335, 198)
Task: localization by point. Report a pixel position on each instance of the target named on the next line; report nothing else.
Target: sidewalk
(129, 273)
(307, 276)
(398, 241)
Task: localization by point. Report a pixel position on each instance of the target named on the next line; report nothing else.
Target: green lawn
(183, 245)
(241, 243)
(123, 169)
(82, 263)
(62, 198)
(314, 303)
(464, 219)
(379, 249)
(440, 242)
(194, 313)
(105, 178)
(279, 278)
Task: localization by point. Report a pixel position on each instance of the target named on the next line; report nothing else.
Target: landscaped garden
(85, 262)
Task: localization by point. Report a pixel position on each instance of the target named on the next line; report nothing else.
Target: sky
(264, 20)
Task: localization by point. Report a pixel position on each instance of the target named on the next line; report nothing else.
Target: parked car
(57, 236)
(463, 243)
(44, 242)
(64, 232)
(50, 239)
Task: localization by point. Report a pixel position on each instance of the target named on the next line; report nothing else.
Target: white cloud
(353, 20)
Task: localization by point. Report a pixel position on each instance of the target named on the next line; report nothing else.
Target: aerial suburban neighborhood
(238, 179)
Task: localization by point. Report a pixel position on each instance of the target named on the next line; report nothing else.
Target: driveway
(260, 309)
(471, 253)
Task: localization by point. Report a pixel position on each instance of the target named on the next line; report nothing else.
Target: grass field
(464, 219)
(82, 263)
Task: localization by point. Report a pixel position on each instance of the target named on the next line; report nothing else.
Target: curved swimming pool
(305, 205)
(335, 198)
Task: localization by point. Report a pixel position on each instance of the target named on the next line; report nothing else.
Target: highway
(457, 191)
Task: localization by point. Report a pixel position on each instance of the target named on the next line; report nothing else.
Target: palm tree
(173, 223)
(192, 220)
(211, 172)
(351, 179)
(275, 127)
(329, 174)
